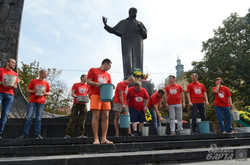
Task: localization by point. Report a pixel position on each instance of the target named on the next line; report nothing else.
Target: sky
(68, 34)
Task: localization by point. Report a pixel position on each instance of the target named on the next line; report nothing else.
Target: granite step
(33, 147)
(171, 156)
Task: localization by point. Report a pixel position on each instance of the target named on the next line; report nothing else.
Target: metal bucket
(82, 99)
(39, 90)
(161, 130)
(235, 115)
(145, 131)
(184, 131)
(10, 80)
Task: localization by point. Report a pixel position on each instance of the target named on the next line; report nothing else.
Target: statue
(132, 33)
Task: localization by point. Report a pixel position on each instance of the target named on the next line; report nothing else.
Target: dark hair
(83, 75)
(161, 91)
(106, 60)
(43, 71)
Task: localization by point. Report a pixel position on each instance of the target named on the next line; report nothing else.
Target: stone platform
(125, 150)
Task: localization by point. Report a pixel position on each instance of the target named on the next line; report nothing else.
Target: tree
(59, 97)
(227, 55)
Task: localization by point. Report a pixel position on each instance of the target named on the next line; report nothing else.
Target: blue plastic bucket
(106, 92)
(204, 127)
(124, 121)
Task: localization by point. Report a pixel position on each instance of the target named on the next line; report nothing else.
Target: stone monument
(132, 33)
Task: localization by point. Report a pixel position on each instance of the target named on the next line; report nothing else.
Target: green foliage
(227, 55)
(59, 97)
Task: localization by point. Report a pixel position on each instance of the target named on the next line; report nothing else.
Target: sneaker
(66, 137)
(82, 136)
(232, 132)
(23, 137)
(39, 137)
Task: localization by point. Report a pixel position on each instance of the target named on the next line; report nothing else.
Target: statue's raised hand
(104, 20)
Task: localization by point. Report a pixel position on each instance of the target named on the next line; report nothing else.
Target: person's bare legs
(105, 124)
(141, 124)
(134, 125)
(117, 114)
(95, 124)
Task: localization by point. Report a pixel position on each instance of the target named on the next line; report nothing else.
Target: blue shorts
(136, 116)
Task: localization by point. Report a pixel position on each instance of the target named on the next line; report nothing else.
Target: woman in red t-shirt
(222, 103)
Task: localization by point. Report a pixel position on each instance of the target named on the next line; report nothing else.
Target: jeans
(155, 120)
(82, 109)
(6, 100)
(176, 108)
(201, 108)
(39, 112)
(227, 115)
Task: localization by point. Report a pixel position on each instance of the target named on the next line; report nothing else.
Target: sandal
(130, 134)
(96, 142)
(107, 142)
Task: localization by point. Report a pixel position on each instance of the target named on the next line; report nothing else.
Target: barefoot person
(6, 92)
(222, 104)
(78, 89)
(96, 77)
(36, 103)
(153, 105)
(120, 102)
(138, 103)
(174, 94)
(195, 93)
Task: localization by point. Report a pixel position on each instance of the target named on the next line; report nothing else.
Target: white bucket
(82, 99)
(10, 80)
(235, 115)
(197, 120)
(145, 131)
(162, 130)
(39, 90)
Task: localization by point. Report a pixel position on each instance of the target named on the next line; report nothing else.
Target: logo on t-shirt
(197, 90)
(221, 94)
(101, 79)
(82, 90)
(173, 91)
(138, 99)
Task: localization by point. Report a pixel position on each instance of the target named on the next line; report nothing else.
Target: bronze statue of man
(132, 33)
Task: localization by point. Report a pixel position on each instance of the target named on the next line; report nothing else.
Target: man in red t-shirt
(222, 103)
(6, 91)
(96, 77)
(137, 101)
(174, 94)
(79, 90)
(120, 102)
(153, 105)
(195, 94)
(38, 89)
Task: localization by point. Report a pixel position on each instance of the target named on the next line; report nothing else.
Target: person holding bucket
(120, 102)
(195, 93)
(153, 104)
(138, 103)
(174, 94)
(38, 89)
(96, 77)
(6, 90)
(222, 104)
(80, 93)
